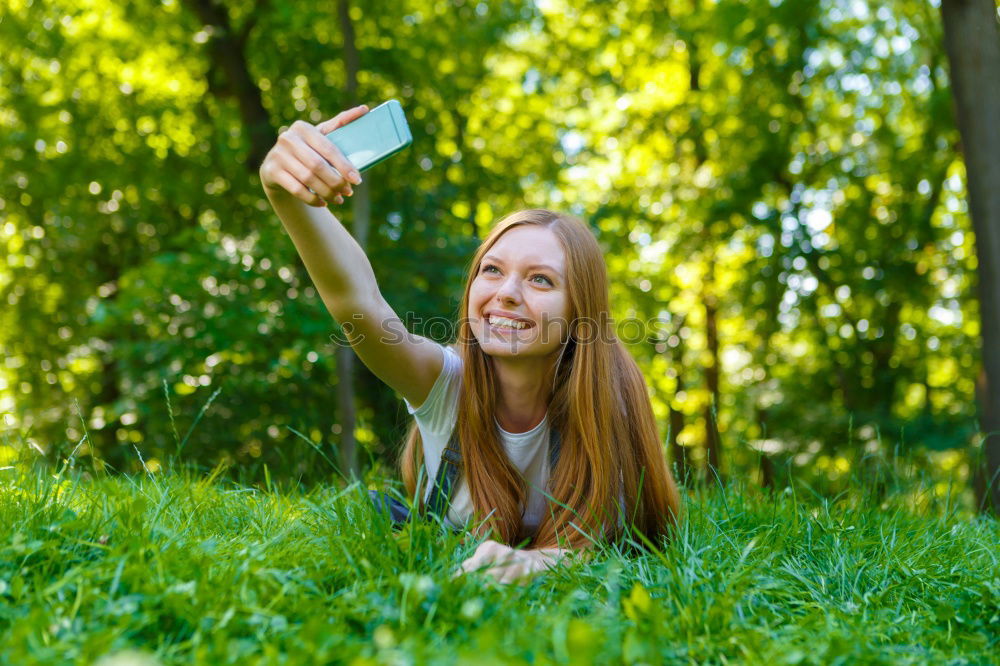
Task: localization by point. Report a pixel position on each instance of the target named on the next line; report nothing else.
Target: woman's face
(518, 301)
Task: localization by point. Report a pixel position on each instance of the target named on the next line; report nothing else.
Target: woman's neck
(524, 392)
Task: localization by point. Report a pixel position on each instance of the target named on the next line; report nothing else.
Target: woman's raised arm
(303, 159)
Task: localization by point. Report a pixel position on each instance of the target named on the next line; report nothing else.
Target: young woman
(536, 426)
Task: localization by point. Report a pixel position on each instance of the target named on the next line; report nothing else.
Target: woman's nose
(510, 290)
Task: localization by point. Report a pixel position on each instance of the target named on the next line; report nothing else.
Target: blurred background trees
(778, 187)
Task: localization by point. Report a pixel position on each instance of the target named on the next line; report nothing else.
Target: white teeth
(504, 321)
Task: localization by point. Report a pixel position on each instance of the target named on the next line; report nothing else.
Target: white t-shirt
(528, 451)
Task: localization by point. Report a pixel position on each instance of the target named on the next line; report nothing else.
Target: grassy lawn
(176, 568)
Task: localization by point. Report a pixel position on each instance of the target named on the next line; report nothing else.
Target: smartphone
(374, 137)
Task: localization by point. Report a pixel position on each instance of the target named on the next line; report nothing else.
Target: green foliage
(784, 173)
(184, 568)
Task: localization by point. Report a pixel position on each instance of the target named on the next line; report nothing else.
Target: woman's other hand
(506, 564)
(308, 166)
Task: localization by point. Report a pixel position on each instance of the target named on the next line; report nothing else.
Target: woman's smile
(519, 294)
(504, 321)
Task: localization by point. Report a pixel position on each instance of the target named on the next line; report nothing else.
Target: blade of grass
(201, 413)
(319, 451)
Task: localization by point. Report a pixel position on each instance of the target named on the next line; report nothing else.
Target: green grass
(186, 570)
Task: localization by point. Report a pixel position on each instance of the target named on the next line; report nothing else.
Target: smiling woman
(539, 426)
(535, 426)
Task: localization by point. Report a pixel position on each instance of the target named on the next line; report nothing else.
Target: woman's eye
(490, 268)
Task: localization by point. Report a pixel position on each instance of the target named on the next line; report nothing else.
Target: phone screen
(369, 139)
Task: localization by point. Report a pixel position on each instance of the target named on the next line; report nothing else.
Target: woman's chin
(516, 349)
(501, 351)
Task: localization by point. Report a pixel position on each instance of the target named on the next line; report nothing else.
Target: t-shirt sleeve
(438, 412)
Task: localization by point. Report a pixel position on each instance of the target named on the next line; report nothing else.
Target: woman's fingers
(296, 188)
(342, 119)
(291, 155)
(502, 563)
(334, 156)
(490, 557)
(502, 566)
(484, 556)
(308, 165)
(331, 154)
(512, 574)
(475, 563)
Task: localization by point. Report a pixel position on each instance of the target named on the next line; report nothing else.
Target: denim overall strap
(555, 442)
(451, 465)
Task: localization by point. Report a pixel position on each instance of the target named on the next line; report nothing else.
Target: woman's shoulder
(439, 406)
(451, 360)
(452, 351)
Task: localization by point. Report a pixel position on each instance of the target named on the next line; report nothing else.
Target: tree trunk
(883, 391)
(110, 267)
(765, 464)
(345, 409)
(972, 41)
(226, 49)
(677, 452)
(977, 461)
(361, 221)
(774, 291)
(116, 454)
(713, 441)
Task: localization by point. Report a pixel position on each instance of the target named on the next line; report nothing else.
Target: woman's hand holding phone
(303, 159)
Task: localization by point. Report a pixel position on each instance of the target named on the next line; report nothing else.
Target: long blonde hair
(599, 405)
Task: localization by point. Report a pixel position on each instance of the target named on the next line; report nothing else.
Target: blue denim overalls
(445, 482)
